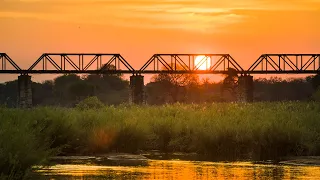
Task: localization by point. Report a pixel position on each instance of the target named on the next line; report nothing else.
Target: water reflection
(166, 169)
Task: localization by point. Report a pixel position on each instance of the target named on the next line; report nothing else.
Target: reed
(220, 131)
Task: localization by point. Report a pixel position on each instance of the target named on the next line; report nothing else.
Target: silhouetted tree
(229, 85)
(277, 89)
(43, 93)
(80, 90)
(9, 93)
(68, 90)
(110, 89)
(314, 80)
(170, 88)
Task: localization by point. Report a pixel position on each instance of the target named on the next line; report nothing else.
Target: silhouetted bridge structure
(91, 63)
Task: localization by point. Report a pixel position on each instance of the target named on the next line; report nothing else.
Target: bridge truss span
(7, 64)
(286, 64)
(190, 63)
(94, 63)
(80, 63)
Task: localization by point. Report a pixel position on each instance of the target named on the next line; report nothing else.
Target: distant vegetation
(221, 131)
(69, 90)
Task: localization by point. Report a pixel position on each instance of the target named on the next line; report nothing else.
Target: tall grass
(20, 144)
(221, 131)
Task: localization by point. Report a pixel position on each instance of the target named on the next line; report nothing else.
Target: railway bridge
(91, 63)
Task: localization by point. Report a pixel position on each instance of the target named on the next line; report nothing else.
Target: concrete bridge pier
(245, 88)
(24, 91)
(136, 89)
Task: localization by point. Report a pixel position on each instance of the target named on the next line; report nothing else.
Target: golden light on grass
(102, 138)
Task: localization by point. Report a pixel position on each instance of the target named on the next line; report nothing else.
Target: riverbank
(221, 131)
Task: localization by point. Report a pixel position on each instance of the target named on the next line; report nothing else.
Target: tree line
(69, 90)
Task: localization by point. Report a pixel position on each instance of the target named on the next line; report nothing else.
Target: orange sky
(140, 28)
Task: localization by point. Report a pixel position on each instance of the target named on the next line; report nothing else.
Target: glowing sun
(202, 62)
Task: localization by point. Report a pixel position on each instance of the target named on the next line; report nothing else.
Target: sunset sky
(140, 28)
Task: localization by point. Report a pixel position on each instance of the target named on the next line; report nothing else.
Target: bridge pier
(136, 89)
(245, 88)
(24, 91)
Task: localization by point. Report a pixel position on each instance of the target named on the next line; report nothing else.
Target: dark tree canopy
(69, 90)
(170, 88)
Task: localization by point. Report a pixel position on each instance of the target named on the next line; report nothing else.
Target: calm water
(176, 169)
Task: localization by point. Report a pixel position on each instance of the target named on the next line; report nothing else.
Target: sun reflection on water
(166, 169)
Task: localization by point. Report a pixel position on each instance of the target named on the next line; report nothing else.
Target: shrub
(316, 95)
(90, 103)
(20, 145)
(223, 131)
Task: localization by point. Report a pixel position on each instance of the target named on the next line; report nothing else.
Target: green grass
(221, 131)
(20, 144)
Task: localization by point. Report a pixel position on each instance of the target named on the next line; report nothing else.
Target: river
(84, 168)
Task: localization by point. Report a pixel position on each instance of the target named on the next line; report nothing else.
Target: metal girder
(7, 64)
(91, 63)
(286, 64)
(80, 63)
(190, 63)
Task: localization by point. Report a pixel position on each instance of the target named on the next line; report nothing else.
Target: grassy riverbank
(222, 131)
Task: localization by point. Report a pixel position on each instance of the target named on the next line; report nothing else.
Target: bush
(21, 145)
(222, 131)
(316, 95)
(90, 103)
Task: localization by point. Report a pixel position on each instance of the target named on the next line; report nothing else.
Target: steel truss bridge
(90, 63)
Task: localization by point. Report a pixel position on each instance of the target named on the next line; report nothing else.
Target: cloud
(193, 15)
